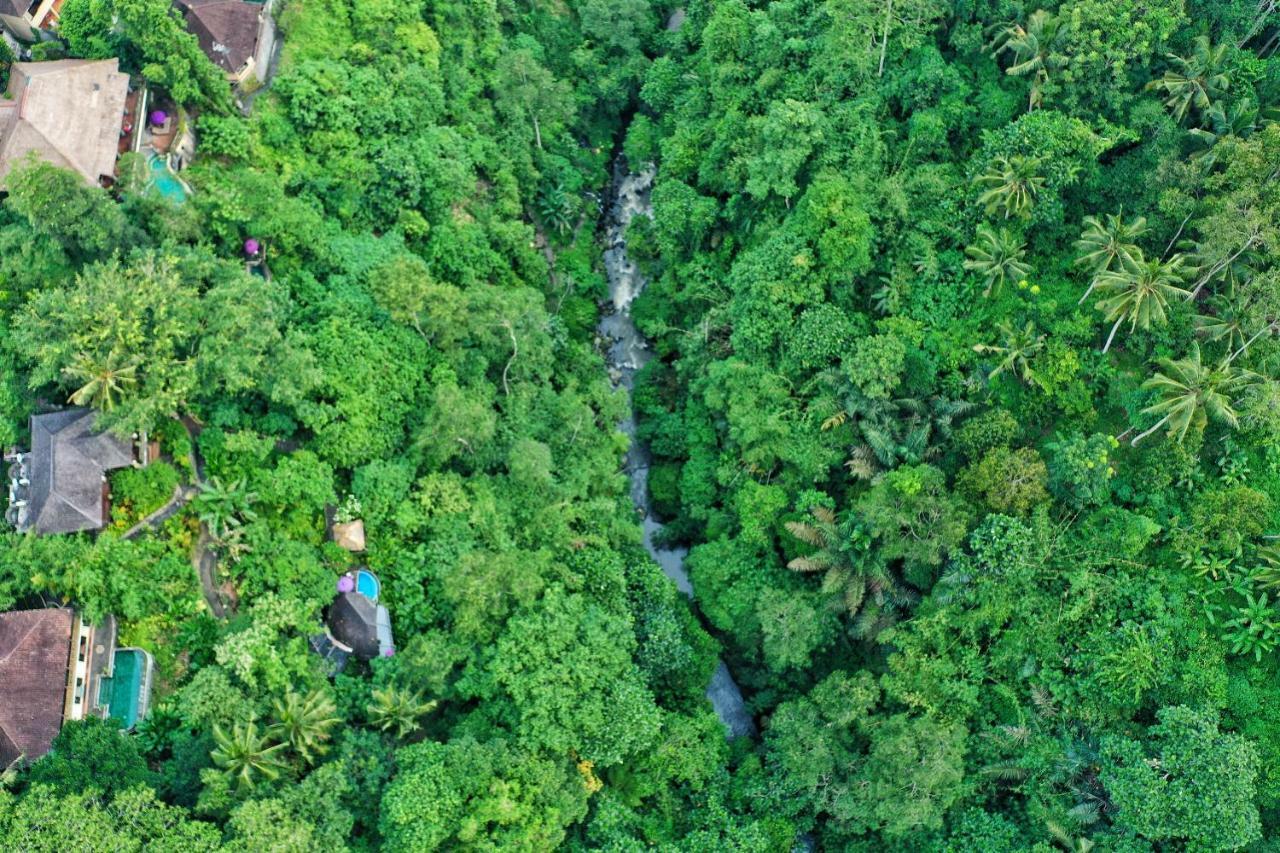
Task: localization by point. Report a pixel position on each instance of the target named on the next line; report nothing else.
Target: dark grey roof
(67, 463)
(353, 622)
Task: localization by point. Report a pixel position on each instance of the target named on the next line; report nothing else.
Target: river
(628, 351)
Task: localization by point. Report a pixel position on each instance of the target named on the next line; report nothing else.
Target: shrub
(137, 492)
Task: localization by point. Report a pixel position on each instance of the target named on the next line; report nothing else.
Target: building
(24, 19)
(356, 625)
(60, 485)
(69, 113)
(227, 31)
(55, 667)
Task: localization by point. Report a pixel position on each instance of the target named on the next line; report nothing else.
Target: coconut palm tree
(245, 755)
(1239, 121)
(398, 709)
(1108, 244)
(305, 723)
(857, 582)
(1011, 184)
(1018, 348)
(1232, 316)
(102, 381)
(1034, 49)
(1139, 294)
(1190, 393)
(997, 256)
(1194, 81)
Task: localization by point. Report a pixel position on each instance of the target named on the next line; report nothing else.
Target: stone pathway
(203, 558)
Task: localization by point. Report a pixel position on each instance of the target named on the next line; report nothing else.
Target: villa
(24, 19)
(227, 31)
(356, 624)
(69, 113)
(54, 667)
(60, 485)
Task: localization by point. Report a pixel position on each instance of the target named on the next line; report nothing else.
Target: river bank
(628, 351)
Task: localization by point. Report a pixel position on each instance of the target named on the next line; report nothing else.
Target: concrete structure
(25, 19)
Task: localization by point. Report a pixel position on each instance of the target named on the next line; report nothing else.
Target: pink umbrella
(251, 246)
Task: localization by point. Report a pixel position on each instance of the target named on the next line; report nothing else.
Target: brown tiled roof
(35, 652)
(68, 112)
(226, 29)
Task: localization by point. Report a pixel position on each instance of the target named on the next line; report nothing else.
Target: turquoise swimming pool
(164, 181)
(367, 584)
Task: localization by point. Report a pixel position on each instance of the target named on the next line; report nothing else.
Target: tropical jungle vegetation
(965, 400)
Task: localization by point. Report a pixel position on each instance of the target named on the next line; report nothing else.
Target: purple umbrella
(346, 583)
(158, 117)
(251, 246)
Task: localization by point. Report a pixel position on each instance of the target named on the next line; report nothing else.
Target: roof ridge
(17, 645)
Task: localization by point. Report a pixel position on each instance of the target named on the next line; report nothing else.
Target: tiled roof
(67, 112)
(35, 652)
(226, 29)
(68, 460)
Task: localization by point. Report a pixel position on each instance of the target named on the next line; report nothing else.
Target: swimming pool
(164, 181)
(367, 584)
(126, 693)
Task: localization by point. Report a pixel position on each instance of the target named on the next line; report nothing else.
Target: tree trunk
(1267, 328)
(884, 36)
(1159, 424)
(1112, 336)
(1221, 265)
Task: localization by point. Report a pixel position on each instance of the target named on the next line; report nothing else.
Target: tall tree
(1190, 393)
(1036, 51)
(1195, 81)
(1011, 185)
(1108, 244)
(246, 755)
(1139, 294)
(997, 256)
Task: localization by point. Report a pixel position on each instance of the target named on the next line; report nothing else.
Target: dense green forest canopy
(965, 399)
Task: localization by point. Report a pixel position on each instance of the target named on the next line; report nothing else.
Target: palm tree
(1190, 393)
(223, 505)
(1139, 294)
(1108, 244)
(1238, 122)
(857, 582)
(1229, 316)
(305, 723)
(1012, 184)
(398, 709)
(102, 382)
(1195, 81)
(1019, 347)
(996, 256)
(1033, 51)
(245, 755)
